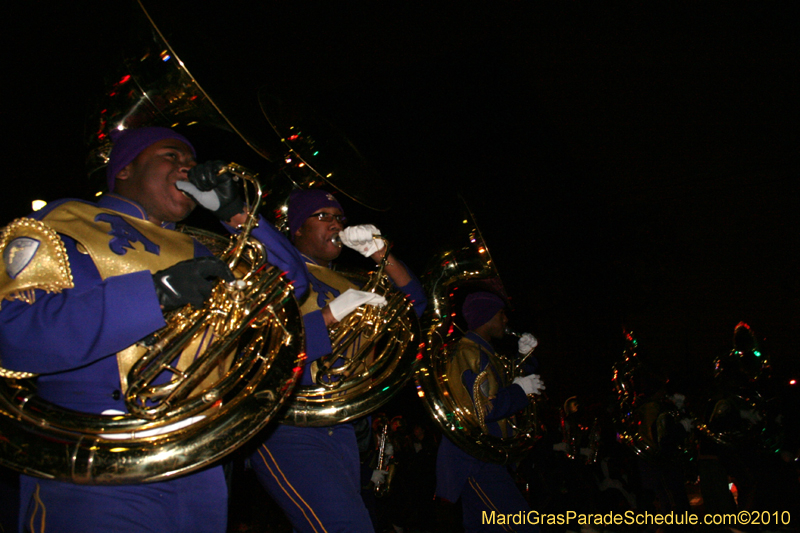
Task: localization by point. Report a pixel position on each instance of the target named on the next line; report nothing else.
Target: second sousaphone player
(314, 472)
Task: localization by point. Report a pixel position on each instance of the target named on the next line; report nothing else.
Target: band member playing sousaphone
(84, 281)
(313, 472)
(477, 379)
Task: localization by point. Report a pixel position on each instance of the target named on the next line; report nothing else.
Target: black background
(631, 164)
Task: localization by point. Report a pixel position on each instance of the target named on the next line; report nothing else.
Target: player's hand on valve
(531, 384)
(351, 299)
(364, 239)
(189, 282)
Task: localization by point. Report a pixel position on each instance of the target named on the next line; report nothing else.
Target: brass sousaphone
(627, 375)
(452, 272)
(744, 410)
(640, 415)
(210, 405)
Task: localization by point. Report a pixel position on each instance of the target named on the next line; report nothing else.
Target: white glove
(527, 343)
(687, 424)
(531, 384)
(378, 476)
(360, 238)
(207, 199)
(388, 449)
(351, 299)
(560, 447)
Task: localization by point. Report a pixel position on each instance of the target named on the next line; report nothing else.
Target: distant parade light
(38, 204)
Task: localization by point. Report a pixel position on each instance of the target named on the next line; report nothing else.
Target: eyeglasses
(329, 217)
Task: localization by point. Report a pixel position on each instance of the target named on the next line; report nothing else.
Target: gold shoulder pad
(468, 356)
(34, 257)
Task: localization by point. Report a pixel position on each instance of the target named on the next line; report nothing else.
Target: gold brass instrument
(570, 431)
(626, 413)
(374, 352)
(208, 406)
(206, 410)
(572, 434)
(740, 410)
(639, 415)
(467, 267)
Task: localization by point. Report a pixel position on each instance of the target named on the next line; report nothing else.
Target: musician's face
(150, 181)
(315, 236)
(496, 327)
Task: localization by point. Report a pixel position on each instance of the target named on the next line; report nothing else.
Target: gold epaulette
(34, 257)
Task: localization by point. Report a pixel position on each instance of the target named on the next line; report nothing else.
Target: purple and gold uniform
(71, 337)
(482, 487)
(314, 472)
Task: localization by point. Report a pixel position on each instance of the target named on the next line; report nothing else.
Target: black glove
(216, 192)
(189, 282)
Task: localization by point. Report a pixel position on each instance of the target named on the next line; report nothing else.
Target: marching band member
(313, 472)
(484, 487)
(128, 266)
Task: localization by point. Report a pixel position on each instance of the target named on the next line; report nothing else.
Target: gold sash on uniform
(328, 277)
(79, 221)
(336, 281)
(468, 357)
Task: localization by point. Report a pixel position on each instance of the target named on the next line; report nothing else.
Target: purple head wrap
(480, 307)
(305, 202)
(130, 143)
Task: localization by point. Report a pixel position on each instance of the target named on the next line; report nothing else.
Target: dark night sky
(629, 163)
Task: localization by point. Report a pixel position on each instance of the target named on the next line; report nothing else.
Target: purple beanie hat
(480, 307)
(130, 143)
(305, 202)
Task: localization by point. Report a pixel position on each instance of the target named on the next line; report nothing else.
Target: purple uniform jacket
(71, 337)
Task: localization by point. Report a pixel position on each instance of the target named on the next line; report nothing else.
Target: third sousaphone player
(477, 380)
